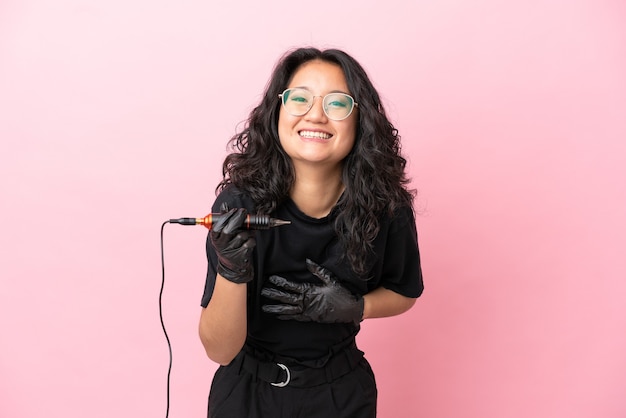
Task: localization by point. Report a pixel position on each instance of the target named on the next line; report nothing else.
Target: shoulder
(396, 230)
(233, 197)
(401, 218)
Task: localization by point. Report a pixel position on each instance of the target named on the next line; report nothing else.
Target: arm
(383, 302)
(330, 302)
(223, 325)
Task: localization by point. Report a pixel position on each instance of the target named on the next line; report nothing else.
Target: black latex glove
(233, 245)
(326, 303)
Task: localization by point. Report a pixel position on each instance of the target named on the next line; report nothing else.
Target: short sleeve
(401, 267)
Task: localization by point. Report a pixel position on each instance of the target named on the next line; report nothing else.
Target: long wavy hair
(373, 172)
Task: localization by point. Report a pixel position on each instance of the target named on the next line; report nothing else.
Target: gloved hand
(326, 303)
(233, 245)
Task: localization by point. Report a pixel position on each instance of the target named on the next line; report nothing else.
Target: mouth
(315, 135)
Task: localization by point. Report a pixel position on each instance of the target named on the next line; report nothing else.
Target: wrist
(366, 307)
(242, 274)
(361, 303)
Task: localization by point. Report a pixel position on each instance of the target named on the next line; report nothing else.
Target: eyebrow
(308, 89)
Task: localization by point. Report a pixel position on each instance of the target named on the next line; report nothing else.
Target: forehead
(319, 75)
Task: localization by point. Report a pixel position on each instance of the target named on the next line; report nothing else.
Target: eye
(338, 101)
(299, 96)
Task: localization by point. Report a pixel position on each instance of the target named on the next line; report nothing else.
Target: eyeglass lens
(337, 106)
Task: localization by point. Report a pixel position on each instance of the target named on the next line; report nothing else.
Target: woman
(282, 306)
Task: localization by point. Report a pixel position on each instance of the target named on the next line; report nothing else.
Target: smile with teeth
(315, 134)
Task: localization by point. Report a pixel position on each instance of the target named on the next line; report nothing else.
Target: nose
(316, 112)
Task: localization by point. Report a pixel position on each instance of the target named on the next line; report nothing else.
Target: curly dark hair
(373, 172)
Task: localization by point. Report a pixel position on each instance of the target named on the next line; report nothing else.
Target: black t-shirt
(283, 250)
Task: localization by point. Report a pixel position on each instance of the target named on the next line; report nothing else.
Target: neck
(316, 192)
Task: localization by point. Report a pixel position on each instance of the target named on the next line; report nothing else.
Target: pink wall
(114, 117)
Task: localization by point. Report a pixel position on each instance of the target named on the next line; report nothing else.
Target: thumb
(320, 272)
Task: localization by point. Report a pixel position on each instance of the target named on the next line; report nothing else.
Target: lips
(314, 134)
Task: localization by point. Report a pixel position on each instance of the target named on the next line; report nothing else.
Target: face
(313, 138)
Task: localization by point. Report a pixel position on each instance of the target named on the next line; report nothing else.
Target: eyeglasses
(298, 101)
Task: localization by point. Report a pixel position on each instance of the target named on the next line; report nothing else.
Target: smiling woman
(307, 132)
(112, 115)
(282, 307)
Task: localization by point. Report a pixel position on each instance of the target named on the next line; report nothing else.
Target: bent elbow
(220, 353)
(409, 303)
(223, 359)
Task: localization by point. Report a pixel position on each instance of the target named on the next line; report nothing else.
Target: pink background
(114, 117)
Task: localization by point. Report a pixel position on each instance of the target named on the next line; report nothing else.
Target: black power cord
(167, 338)
(257, 221)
